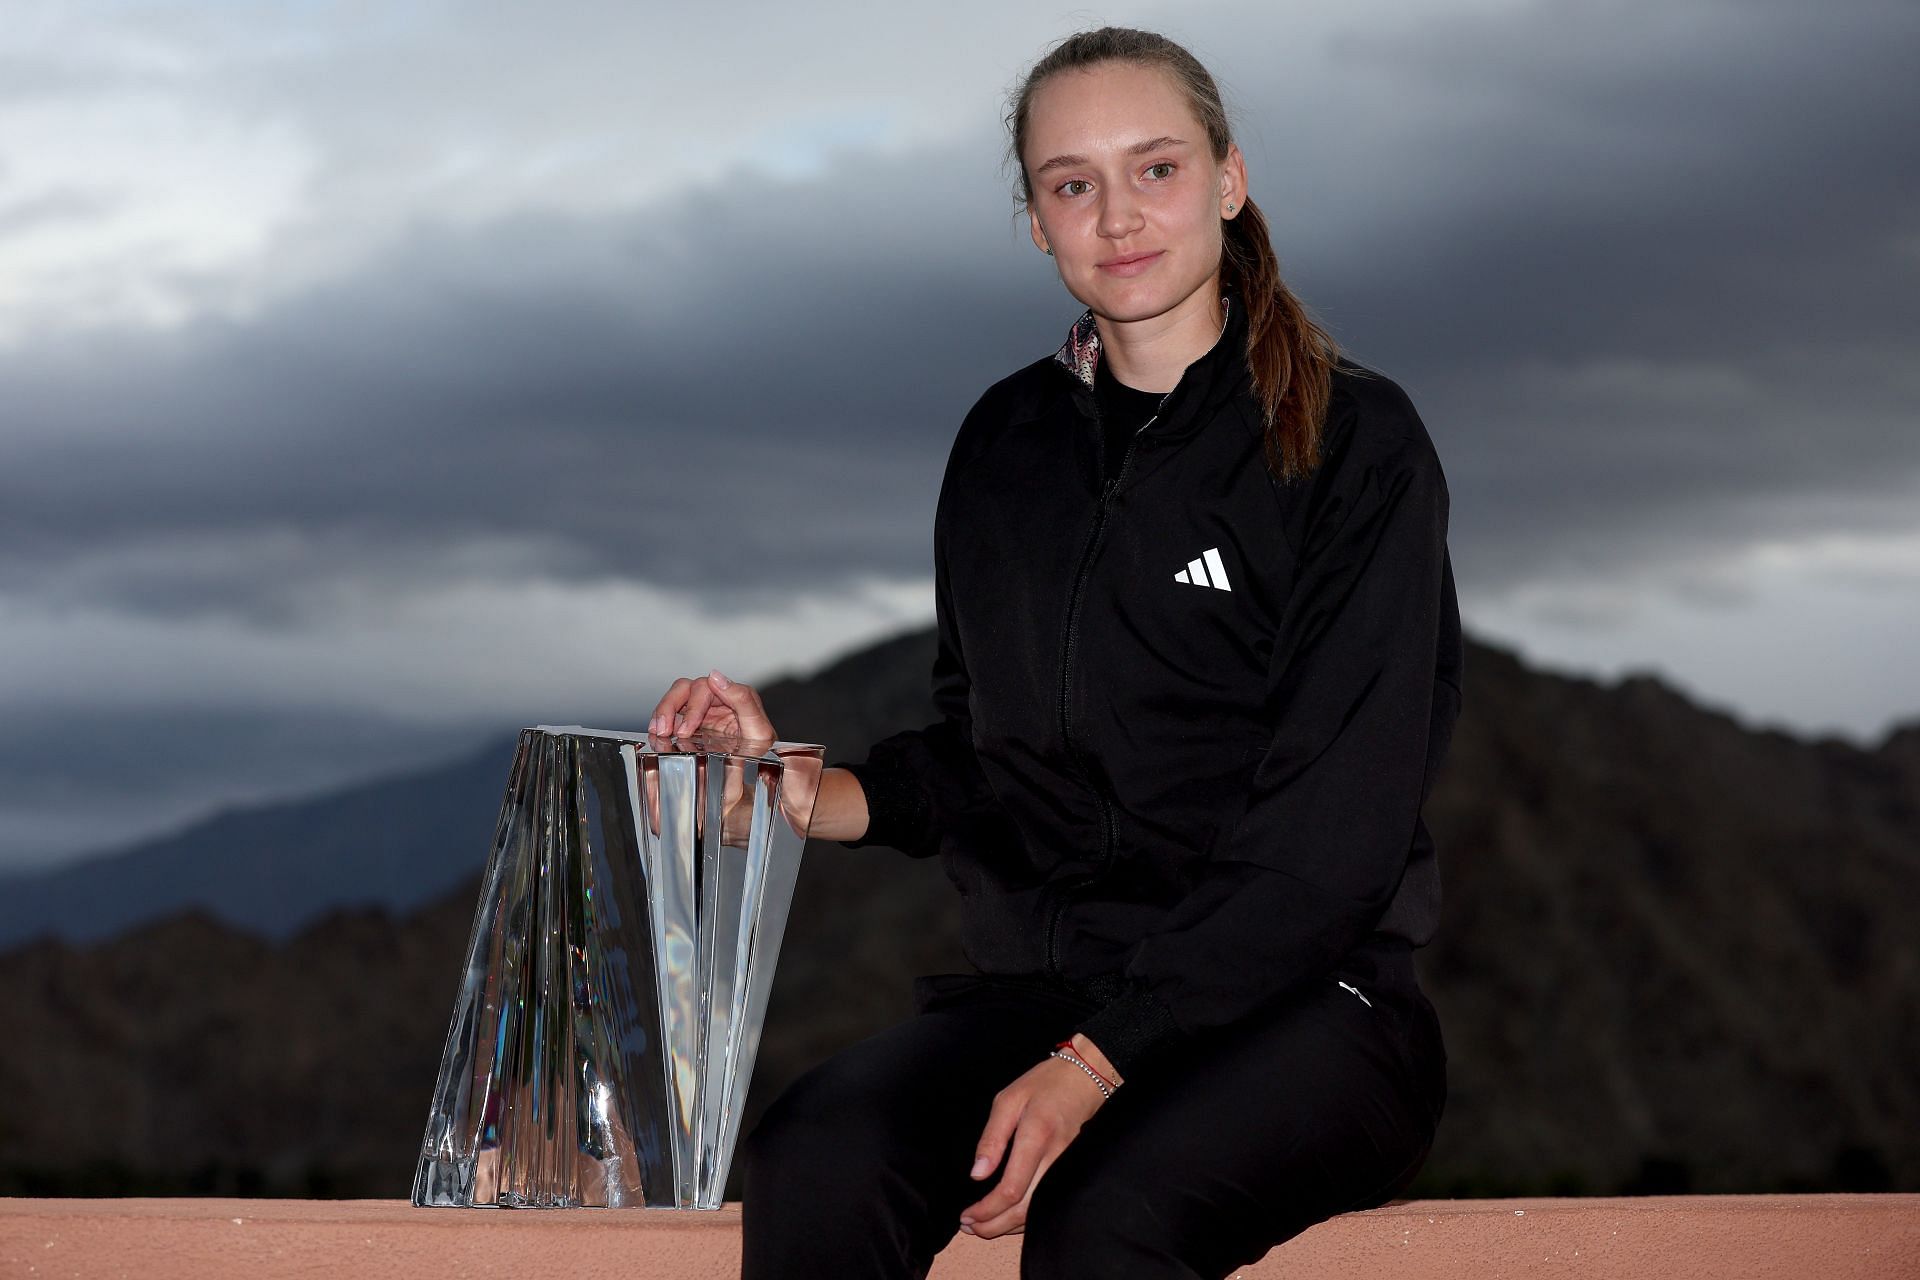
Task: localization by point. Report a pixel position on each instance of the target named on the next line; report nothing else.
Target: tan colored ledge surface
(1831, 1237)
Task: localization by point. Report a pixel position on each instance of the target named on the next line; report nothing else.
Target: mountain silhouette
(271, 869)
(1676, 953)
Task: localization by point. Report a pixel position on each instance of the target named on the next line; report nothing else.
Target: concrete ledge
(1833, 1237)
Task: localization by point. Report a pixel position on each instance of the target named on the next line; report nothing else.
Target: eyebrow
(1137, 149)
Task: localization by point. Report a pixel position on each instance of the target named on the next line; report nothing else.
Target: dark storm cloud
(758, 391)
(1648, 272)
(1641, 269)
(1655, 276)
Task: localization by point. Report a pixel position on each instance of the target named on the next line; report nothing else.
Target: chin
(1124, 301)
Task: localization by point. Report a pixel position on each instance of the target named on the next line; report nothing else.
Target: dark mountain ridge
(1676, 953)
(397, 842)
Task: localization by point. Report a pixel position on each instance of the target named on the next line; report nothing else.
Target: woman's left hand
(1038, 1115)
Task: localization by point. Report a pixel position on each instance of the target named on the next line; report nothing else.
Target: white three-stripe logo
(1205, 570)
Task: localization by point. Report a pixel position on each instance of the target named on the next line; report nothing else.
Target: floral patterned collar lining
(1080, 353)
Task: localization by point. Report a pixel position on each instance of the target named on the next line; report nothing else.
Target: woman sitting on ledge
(1198, 658)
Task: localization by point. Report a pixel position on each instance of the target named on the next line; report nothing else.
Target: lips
(1131, 264)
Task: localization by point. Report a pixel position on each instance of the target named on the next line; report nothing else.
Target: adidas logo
(1205, 570)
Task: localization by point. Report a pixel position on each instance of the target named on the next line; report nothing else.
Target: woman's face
(1125, 190)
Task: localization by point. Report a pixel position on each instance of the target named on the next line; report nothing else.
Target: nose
(1119, 213)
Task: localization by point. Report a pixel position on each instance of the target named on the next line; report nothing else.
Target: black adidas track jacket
(1190, 715)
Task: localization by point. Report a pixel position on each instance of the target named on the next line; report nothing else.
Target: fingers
(693, 715)
(1029, 1148)
(682, 708)
(1001, 1123)
(1033, 1121)
(669, 706)
(688, 704)
(1006, 1208)
(1014, 1219)
(744, 701)
(1032, 1141)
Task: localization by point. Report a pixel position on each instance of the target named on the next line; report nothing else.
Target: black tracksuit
(1184, 799)
(1189, 718)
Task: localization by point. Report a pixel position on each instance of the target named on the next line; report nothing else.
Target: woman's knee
(815, 1128)
(1096, 1226)
(849, 1126)
(833, 1184)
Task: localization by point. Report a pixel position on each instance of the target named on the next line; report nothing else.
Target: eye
(1073, 182)
(1164, 164)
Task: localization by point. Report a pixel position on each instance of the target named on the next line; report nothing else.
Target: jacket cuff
(896, 806)
(1135, 1027)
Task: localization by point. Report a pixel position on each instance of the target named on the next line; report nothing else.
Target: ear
(1033, 227)
(1233, 181)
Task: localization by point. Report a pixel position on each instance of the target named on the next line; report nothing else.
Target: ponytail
(1291, 356)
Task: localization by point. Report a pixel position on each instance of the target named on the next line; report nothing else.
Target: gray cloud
(51, 208)
(679, 397)
(1636, 282)
(1650, 278)
(1648, 272)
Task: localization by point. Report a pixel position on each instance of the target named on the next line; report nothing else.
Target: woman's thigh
(1245, 1137)
(860, 1168)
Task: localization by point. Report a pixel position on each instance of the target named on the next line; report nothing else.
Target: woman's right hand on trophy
(713, 704)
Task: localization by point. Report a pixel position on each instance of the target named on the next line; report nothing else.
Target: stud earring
(1229, 207)
(1047, 249)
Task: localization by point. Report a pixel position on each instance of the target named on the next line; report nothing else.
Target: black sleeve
(1335, 802)
(920, 782)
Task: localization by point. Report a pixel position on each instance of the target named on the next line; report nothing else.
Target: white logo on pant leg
(1356, 991)
(1205, 570)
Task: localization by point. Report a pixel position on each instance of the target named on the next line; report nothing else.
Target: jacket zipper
(1107, 833)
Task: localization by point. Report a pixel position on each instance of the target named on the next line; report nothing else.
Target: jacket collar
(1079, 355)
(1206, 381)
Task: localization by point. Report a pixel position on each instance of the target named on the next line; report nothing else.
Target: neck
(1151, 354)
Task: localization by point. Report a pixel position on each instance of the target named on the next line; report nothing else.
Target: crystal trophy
(618, 970)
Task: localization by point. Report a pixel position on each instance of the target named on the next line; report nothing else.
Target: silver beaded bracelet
(1092, 1075)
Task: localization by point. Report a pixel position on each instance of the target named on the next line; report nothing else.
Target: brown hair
(1291, 356)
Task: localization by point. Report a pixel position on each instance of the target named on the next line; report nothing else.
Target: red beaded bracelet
(1066, 1050)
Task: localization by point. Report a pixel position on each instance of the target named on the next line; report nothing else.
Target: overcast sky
(374, 377)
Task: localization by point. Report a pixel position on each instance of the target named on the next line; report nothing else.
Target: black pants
(1200, 1162)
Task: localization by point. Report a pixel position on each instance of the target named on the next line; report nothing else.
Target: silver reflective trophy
(618, 970)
